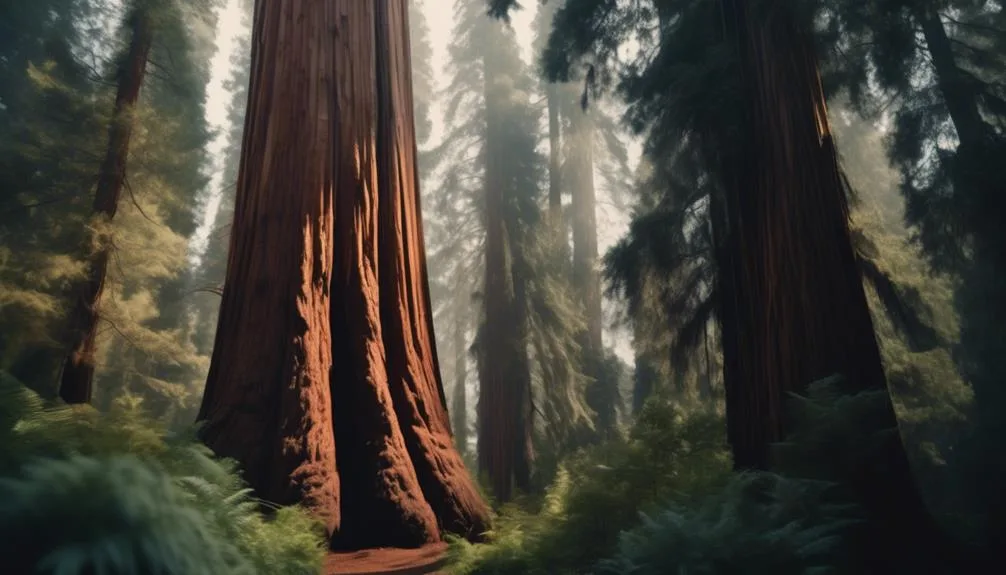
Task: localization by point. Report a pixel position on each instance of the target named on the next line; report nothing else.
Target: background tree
(48, 121)
(208, 282)
(490, 105)
(72, 120)
(77, 376)
(935, 70)
(744, 146)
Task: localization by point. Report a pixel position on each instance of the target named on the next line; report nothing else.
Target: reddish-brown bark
(413, 366)
(802, 312)
(77, 376)
(267, 401)
(794, 307)
(324, 333)
(390, 509)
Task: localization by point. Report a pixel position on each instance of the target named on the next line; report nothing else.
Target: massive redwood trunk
(325, 336)
(801, 311)
(77, 376)
(794, 305)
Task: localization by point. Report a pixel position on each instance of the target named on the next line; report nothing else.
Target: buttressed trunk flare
(324, 381)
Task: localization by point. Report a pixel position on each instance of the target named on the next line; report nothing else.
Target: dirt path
(425, 560)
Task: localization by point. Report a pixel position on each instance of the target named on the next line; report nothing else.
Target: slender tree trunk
(523, 438)
(504, 374)
(706, 385)
(77, 377)
(459, 399)
(554, 155)
(599, 395)
(794, 289)
(498, 405)
(324, 333)
(644, 377)
(961, 100)
(980, 195)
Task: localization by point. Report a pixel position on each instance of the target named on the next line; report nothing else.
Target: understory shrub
(760, 523)
(114, 493)
(672, 453)
(666, 501)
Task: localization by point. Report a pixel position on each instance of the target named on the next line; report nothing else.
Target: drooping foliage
(116, 493)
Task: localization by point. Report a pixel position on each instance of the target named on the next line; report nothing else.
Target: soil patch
(388, 561)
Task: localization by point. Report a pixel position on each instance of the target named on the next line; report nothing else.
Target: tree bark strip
(77, 376)
(390, 509)
(413, 367)
(459, 396)
(586, 275)
(267, 401)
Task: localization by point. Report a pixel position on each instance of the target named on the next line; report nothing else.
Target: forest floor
(424, 560)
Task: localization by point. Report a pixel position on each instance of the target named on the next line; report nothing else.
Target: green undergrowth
(760, 524)
(115, 493)
(671, 453)
(665, 500)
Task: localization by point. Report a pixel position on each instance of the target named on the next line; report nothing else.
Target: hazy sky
(217, 100)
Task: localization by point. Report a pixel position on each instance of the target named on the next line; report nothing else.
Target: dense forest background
(645, 279)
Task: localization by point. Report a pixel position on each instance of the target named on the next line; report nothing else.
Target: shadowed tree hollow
(324, 382)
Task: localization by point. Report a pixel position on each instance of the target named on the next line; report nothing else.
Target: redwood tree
(324, 382)
(77, 376)
(793, 305)
(586, 277)
(504, 406)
